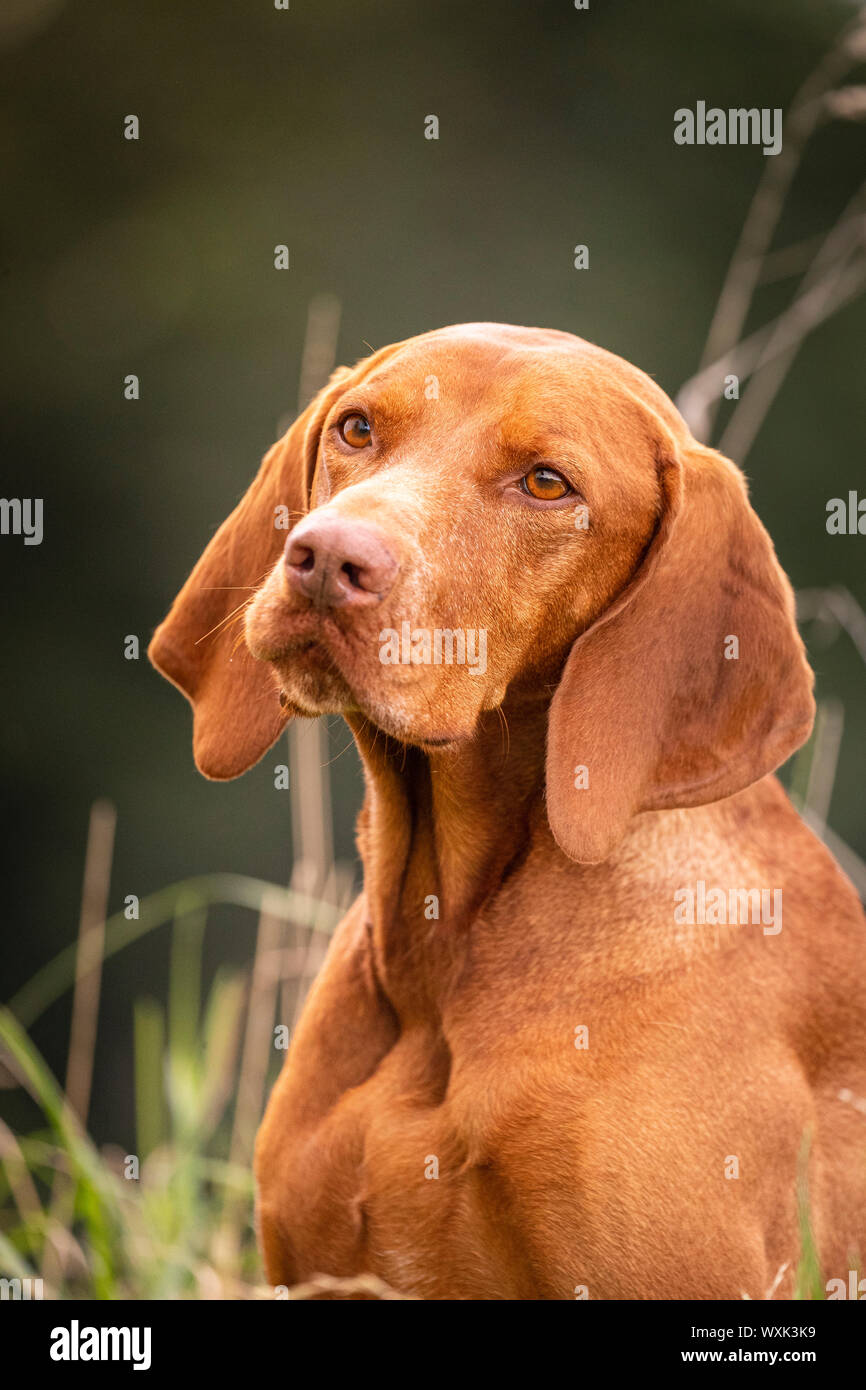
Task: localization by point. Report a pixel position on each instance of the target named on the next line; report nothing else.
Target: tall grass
(173, 1219)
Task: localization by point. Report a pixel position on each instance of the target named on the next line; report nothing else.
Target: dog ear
(199, 646)
(694, 682)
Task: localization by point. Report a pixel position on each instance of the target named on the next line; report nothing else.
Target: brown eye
(545, 484)
(356, 431)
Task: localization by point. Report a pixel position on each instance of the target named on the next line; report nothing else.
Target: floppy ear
(694, 682)
(199, 646)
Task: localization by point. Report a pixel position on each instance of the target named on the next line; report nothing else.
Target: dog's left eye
(356, 430)
(545, 484)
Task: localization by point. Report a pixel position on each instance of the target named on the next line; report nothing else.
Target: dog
(599, 1013)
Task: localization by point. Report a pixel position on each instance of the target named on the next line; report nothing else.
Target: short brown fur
(453, 1037)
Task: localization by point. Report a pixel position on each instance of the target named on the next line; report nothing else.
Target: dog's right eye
(545, 484)
(356, 431)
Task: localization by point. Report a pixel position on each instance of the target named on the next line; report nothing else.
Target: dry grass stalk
(808, 107)
(88, 968)
(830, 282)
(258, 1036)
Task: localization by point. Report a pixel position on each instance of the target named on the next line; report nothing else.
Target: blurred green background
(155, 257)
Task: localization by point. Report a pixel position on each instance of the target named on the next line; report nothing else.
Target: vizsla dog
(603, 997)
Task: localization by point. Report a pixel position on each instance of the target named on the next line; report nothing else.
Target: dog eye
(356, 431)
(545, 484)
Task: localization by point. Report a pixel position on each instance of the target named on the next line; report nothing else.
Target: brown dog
(603, 987)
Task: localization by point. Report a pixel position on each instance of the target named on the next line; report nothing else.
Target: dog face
(472, 512)
(527, 502)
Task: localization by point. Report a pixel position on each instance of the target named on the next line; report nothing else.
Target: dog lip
(304, 650)
(299, 647)
(275, 637)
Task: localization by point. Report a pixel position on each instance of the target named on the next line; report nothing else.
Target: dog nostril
(353, 573)
(334, 563)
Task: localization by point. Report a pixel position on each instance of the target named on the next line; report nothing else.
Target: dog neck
(438, 832)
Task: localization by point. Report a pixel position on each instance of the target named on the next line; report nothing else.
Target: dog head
(483, 510)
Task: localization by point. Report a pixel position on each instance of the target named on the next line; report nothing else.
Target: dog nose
(339, 563)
